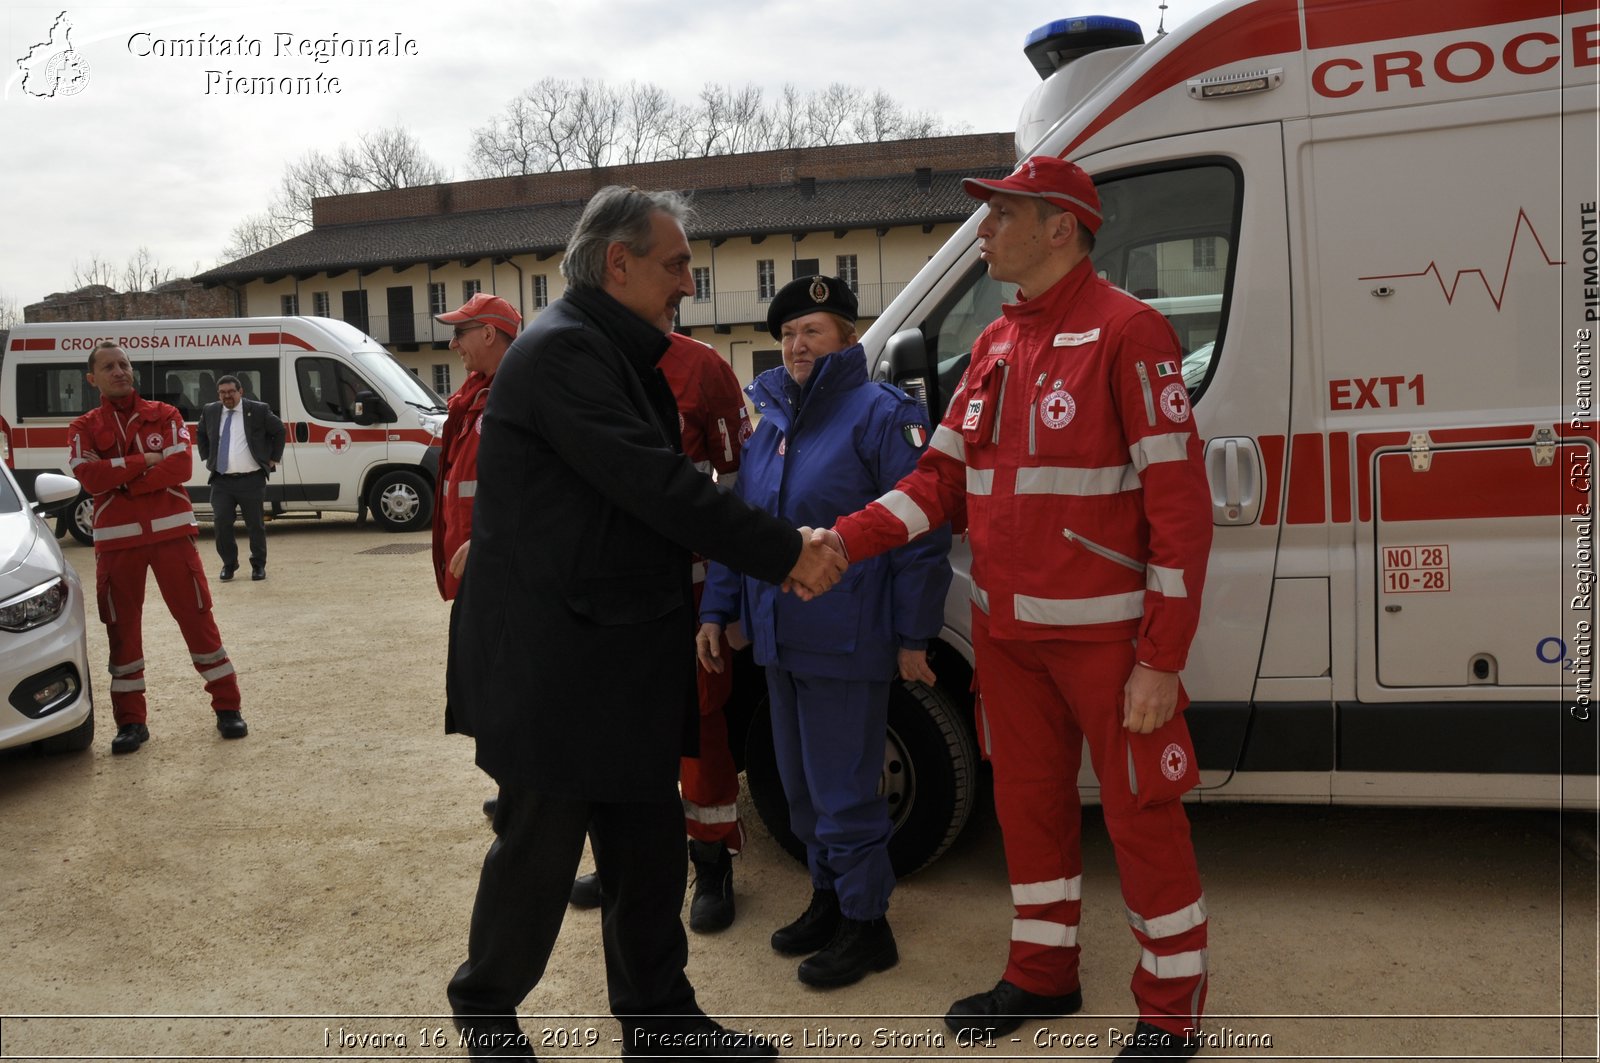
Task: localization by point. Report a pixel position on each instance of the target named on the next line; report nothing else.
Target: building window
(436, 303)
(320, 305)
(541, 291)
(1205, 252)
(846, 271)
(291, 306)
(469, 289)
(766, 279)
(441, 379)
(702, 284)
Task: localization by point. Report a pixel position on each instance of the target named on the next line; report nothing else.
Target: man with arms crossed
(1071, 453)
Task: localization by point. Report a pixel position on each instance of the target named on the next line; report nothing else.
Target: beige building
(389, 261)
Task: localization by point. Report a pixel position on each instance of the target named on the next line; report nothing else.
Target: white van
(1374, 228)
(361, 431)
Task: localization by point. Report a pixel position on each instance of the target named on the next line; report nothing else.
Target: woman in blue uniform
(830, 441)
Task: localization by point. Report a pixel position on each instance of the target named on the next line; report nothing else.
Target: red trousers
(119, 589)
(711, 781)
(1040, 704)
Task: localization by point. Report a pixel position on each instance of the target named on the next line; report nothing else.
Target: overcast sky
(143, 154)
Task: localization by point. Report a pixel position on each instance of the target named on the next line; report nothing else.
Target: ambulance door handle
(302, 432)
(1233, 468)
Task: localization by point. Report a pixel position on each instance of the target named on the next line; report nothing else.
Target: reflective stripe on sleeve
(1167, 581)
(1182, 965)
(980, 597)
(1111, 480)
(1042, 932)
(711, 814)
(980, 481)
(1066, 612)
(467, 488)
(948, 442)
(698, 572)
(1173, 446)
(119, 463)
(1173, 923)
(117, 531)
(1048, 892)
(176, 449)
(175, 520)
(906, 511)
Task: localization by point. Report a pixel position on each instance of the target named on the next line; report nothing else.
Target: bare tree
(595, 119)
(646, 112)
(510, 144)
(96, 271)
(143, 273)
(10, 312)
(786, 127)
(256, 232)
(829, 114)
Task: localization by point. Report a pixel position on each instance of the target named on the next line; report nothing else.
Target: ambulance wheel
(930, 776)
(80, 520)
(401, 501)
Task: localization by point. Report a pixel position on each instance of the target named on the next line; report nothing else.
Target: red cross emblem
(153, 440)
(1175, 403)
(1058, 409)
(1174, 761)
(338, 440)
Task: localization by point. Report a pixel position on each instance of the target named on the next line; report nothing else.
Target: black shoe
(230, 724)
(712, 906)
(226, 575)
(813, 930)
(1005, 1008)
(859, 948)
(493, 1037)
(130, 736)
(585, 891)
(258, 574)
(693, 1038)
(1150, 1041)
(490, 805)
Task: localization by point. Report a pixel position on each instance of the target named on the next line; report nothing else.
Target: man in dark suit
(570, 642)
(241, 442)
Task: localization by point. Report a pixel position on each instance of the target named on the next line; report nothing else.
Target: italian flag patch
(915, 434)
(1166, 369)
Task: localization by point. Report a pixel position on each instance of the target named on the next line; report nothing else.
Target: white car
(44, 648)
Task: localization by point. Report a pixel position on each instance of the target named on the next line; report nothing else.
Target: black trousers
(527, 875)
(244, 494)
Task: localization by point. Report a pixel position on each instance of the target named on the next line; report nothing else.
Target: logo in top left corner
(53, 67)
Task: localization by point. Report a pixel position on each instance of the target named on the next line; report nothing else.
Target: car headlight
(34, 608)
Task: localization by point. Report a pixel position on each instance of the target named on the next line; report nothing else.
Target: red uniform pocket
(1161, 764)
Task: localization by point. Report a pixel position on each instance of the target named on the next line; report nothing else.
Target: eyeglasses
(462, 330)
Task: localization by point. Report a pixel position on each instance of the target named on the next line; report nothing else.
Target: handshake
(822, 561)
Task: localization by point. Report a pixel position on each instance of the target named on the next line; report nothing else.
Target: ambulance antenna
(1161, 30)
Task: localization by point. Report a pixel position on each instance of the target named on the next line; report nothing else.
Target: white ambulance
(361, 431)
(1374, 228)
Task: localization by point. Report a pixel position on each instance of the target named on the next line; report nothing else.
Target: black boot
(585, 891)
(712, 906)
(859, 948)
(814, 929)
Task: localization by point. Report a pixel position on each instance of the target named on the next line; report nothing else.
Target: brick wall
(979, 151)
(99, 303)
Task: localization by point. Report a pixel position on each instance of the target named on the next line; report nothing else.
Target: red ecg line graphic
(1497, 299)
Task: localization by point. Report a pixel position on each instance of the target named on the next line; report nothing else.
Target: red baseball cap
(488, 308)
(1053, 180)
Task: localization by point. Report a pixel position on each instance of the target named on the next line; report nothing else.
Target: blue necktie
(222, 447)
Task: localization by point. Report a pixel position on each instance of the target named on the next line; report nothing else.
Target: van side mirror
(905, 364)
(370, 409)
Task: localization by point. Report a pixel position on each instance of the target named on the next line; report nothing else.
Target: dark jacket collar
(639, 341)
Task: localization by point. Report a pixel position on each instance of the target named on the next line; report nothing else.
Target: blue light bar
(1055, 44)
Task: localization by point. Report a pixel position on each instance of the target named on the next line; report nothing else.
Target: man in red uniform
(714, 423)
(134, 456)
(484, 327)
(1070, 452)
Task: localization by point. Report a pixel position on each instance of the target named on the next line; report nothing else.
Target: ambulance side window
(53, 390)
(328, 388)
(955, 326)
(1168, 238)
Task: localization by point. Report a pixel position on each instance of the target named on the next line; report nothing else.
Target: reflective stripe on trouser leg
(828, 735)
(710, 780)
(182, 581)
(1155, 858)
(119, 592)
(1035, 747)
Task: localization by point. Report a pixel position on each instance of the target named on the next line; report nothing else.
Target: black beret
(808, 295)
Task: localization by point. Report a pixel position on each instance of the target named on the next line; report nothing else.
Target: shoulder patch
(915, 434)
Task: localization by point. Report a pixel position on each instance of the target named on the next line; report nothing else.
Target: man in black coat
(571, 640)
(241, 442)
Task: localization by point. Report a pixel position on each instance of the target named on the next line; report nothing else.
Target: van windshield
(398, 379)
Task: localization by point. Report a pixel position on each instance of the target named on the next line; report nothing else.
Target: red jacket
(135, 504)
(1070, 451)
(712, 417)
(458, 477)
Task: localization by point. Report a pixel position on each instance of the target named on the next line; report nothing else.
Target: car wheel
(401, 501)
(79, 520)
(73, 741)
(930, 776)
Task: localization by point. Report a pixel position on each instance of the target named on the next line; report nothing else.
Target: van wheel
(401, 501)
(79, 520)
(73, 741)
(930, 776)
